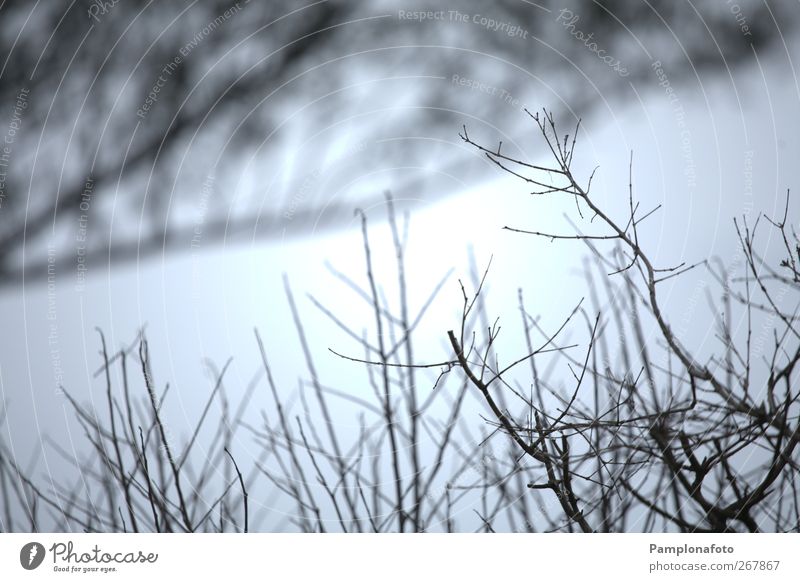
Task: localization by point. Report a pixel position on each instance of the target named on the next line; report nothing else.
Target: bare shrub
(635, 433)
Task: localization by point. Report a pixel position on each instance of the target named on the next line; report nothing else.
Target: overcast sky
(691, 155)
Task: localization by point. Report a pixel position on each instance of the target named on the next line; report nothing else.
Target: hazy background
(281, 119)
